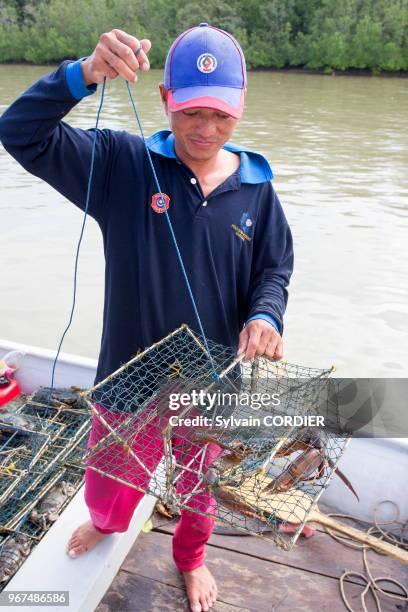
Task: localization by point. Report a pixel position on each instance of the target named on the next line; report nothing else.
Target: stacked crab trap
(190, 423)
(37, 440)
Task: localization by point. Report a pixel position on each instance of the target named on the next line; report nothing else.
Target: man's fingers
(117, 53)
(279, 350)
(108, 71)
(127, 39)
(253, 344)
(274, 349)
(118, 64)
(243, 341)
(142, 55)
(264, 340)
(271, 348)
(99, 71)
(135, 44)
(123, 51)
(263, 343)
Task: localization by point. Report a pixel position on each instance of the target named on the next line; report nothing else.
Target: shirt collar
(254, 167)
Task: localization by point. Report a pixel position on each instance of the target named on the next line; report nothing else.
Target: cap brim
(229, 100)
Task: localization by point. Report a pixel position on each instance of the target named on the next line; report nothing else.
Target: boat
(88, 577)
(378, 469)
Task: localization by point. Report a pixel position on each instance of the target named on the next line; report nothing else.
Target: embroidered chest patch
(160, 202)
(245, 228)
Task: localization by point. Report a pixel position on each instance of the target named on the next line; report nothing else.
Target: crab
(48, 508)
(12, 554)
(70, 397)
(14, 422)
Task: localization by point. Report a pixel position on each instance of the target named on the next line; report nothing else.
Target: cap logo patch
(160, 202)
(207, 63)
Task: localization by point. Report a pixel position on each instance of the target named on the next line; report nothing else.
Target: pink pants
(111, 504)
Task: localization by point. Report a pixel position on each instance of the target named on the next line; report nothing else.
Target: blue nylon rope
(183, 269)
(88, 197)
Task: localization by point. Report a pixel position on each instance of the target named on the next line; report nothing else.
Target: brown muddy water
(338, 148)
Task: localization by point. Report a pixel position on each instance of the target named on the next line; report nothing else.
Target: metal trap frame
(14, 550)
(20, 451)
(233, 467)
(20, 525)
(43, 462)
(16, 514)
(74, 426)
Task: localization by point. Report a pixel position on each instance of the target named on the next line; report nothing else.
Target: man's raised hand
(260, 338)
(116, 54)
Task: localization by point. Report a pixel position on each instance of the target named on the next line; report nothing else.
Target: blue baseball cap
(205, 67)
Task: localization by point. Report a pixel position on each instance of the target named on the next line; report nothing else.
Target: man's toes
(195, 605)
(73, 539)
(74, 536)
(204, 604)
(209, 601)
(71, 544)
(75, 533)
(76, 551)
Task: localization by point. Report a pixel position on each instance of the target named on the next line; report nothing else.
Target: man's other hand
(260, 338)
(116, 54)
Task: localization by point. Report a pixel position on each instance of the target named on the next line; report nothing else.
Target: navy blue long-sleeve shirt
(236, 243)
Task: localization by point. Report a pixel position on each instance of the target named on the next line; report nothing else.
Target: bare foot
(84, 538)
(201, 589)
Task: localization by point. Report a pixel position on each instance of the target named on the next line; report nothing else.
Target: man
(231, 230)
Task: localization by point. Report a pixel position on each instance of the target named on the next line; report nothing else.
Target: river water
(339, 150)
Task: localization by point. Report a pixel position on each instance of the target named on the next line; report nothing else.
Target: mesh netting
(26, 521)
(218, 444)
(37, 439)
(221, 446)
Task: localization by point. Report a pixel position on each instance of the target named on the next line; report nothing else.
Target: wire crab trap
(36, 516)
(265, 485)
(36, 512)
(34, 478)
(14, 550)
(28, 524)
(66, 409)
(164, 424)
(20, 450)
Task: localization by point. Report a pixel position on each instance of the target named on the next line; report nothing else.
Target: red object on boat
(307, 530)
(9, 389)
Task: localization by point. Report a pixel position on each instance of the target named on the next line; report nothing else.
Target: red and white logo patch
(160, 202)
(207, 63)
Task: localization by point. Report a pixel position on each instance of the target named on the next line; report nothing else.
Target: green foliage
(317, 34)
(361, 34)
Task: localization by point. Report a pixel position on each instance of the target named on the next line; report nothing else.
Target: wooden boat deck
(251, 573)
